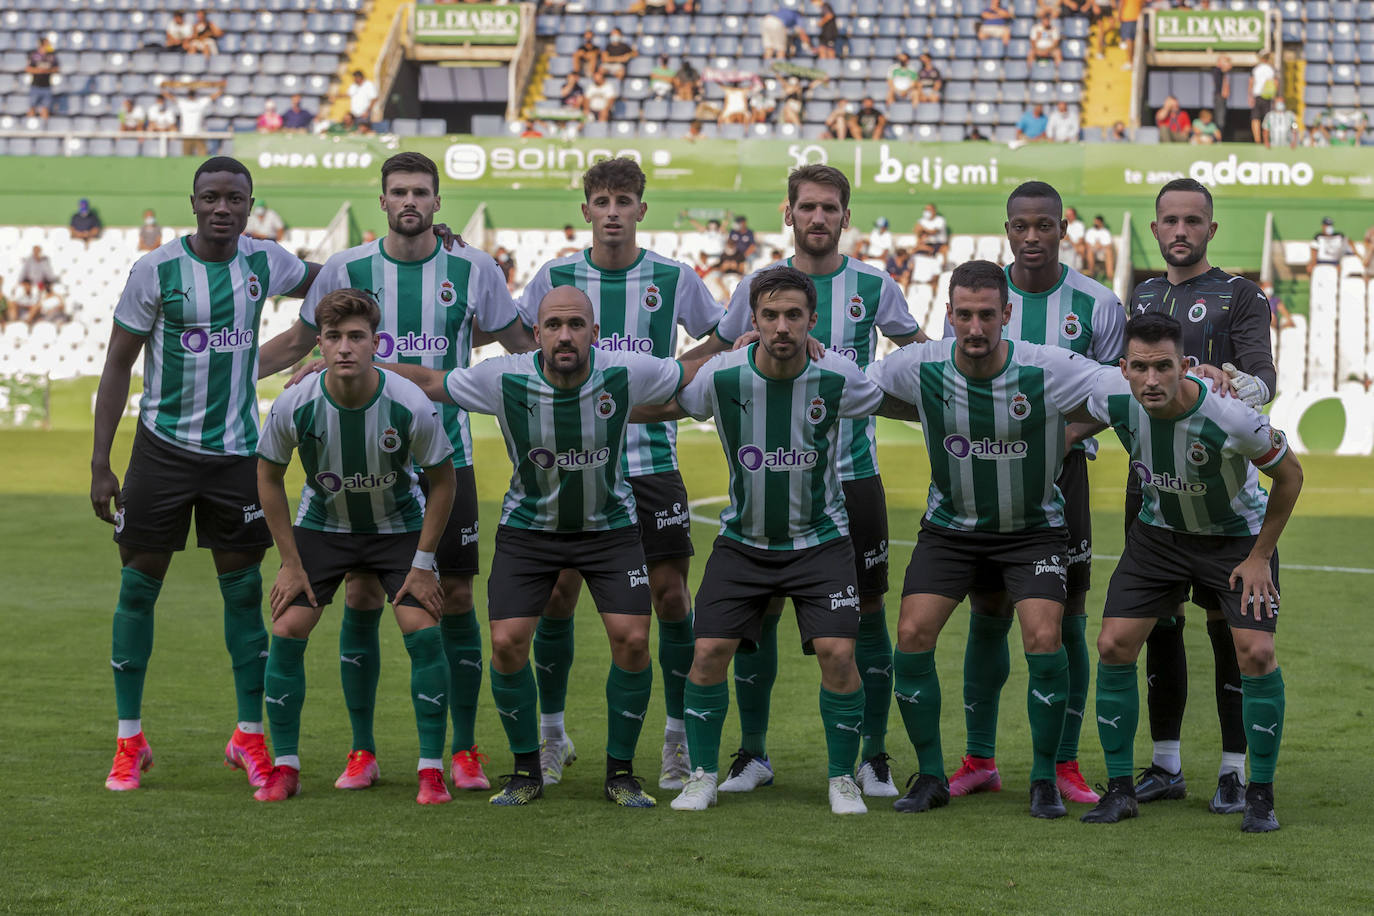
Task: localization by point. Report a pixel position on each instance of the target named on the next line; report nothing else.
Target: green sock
(873, 655)
(675, 649)
(463, 649)
(1262, 703)
(284, 685)
(987, 664)
(360, 666)
(516, 703)
(131, 644)
(245, 637)
(755, 673)
(704, 709)
(1076, 647)
(1118, 714)
(917, 689)
(428, 686)
(842, 714)
(1047, 693)
(553, 657)
(627, 702)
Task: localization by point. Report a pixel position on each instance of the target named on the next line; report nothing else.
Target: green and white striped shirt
(200, 363)
(359, 462)
(429, 309)
(1197, 470)
(639, 310)
(852, 305)
(780, 438)
(566, 446)
(995, 445)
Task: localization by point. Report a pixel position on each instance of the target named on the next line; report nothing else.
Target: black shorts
(165, 483)
(665, 522)
(329, 555)
(457, 554)
(866, 504)
(1261, 108)
(1203, 598)
(1073, 483)
(526, 565)
(946, 562)
(740, 580)
(1158, 565)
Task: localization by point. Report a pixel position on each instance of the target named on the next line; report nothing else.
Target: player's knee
(672, 602)
(1042, 638)
(1112, 649)
(457, 594)
(1255, 655)
(916, 635)
(630, 643)
(710, 660)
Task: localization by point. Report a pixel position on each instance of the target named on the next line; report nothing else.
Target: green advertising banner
(467, 23)
(1203, 30)
(24, 402)
(946, 170)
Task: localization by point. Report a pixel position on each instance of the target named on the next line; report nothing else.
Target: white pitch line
(1104, 557)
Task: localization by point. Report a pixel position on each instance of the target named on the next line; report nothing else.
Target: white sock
(551, 724)
(130, 727)
(676, 728)
(251, 728)
(1232, 763)
(288, 760)
(430, 763)
(1166, 756)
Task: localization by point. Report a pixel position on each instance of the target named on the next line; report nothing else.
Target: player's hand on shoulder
(304, 372)
(291, 581)
(1219, 380)
(104, 490)
(814, 348)
(745, 339)
(448, 236)
(1246, 386)
(423, 586)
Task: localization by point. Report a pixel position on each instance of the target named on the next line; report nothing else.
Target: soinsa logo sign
(988, 449)
(410, 344)
(333, 483)
(225, 340)
(753, 458)
(574, 459)
(469, 161)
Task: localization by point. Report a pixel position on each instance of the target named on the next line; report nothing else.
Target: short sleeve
(653, 380)
(697, 311)
(286, 270)
(1252, 435)
(1109, 331)
(279, 437)
(697, 397)
(1104, 385)
(140, 301)
(898, 373)
(737, 320)
(429, 442)
(478, 388)
(534, 293)
(861, 396)
(894, 314)
(1069, 376)
(334, 275)
(495, 310)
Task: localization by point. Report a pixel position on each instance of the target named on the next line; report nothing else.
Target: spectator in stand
(735, 107)
(41, 66)
(180, 30)
(780, 26)
(1279, 316)
(1260, 92)
(837, 122)
(829, 35)
(264, 223)
(587, 56)
(362, 93)
(1117, 133)
(687, 83)
(204, 35)
(26, 304)
(898, 267)
(1205, 129)
(150, 233)
(269, 122)
(743, 238)
(1328, 246)
(712, 238)
(1094, 11)
(192, 110)
(1129, 14)
(85, 223)
(1221, 92)
(1173, 122)
(761, 105)
(1074, 231)
(569, 241)
(880, 240)
(570, 94)
(662, 7)
(1062, 126)
(975, 134)
(732, 261)
(600, 97)
(869, 121)
(1280, 127)
(932, 81)
(995, 22)
(1031, 127)
(617, 55)
(1044, 41)
(1101, 251)
(296, 118)
(932, 233)
(132, 117)
(506, 261)
(37, 270)
(794, 100)
(162, 116)
(903, 80)
(661, 78)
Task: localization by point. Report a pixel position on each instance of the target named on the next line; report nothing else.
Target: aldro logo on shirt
(619, 343)
(1073, 326)
(753, 458)
(1168, 482)
(333, 483)
(410, 344)
(225, 340)
(962, 447)
(574, 459)
(816, 412)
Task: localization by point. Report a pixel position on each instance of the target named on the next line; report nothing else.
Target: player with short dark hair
(1205, 523)
(640, 298)
(434, 302)
(361, 431)
(993, 412)
(855, 302)
(192, 306)
(1225, 320)
(1051, 304)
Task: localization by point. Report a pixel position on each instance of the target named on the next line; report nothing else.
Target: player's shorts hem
(665, 519)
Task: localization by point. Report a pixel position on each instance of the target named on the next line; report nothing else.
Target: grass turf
(193, 839)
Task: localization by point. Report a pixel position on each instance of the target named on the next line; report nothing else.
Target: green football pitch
(193, 839)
